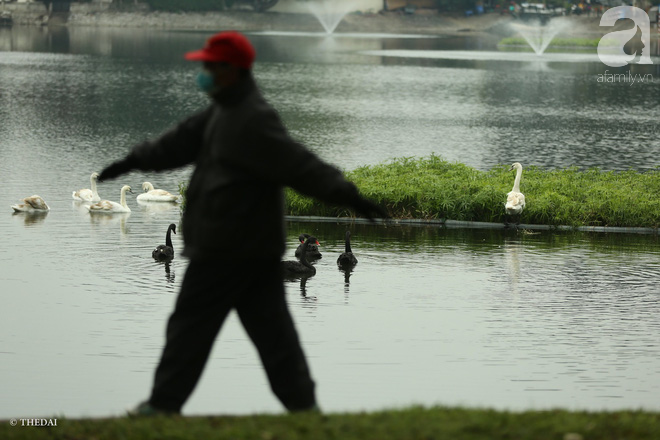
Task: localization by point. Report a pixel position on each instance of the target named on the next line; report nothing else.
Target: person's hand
(117, 168)
(365, 207)
(369, 209)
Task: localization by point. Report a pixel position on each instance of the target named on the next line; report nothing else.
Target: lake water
(481, 318)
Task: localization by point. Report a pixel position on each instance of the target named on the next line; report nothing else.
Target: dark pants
(209, 292)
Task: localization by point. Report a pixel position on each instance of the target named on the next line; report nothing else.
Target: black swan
(347, 259)
(312, 250)
(302, 267)
(165, 252)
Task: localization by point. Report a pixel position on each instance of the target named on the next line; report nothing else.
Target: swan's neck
(168, 238)
(149, 187)
(347, 247)
(516, 183)
(122, 200)
(303, 256)
(93, 182)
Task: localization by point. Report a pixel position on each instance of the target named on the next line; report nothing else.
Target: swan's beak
(511, 168)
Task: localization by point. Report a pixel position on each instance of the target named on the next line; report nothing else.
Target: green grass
(564, 42)
(432, 188)
(557, 44)
(404, 424)
(182, 190)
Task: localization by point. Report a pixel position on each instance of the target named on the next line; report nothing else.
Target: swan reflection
(169, 273)
(347, 276)
(31, 218)
(109, 220)
(512, 251)
(301, 281)
(79, 206)
(158, 207)
(303, 286)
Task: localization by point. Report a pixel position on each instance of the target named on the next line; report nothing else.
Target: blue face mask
(205, 81)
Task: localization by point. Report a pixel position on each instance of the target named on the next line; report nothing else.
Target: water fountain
(330, 12)
(539, 35)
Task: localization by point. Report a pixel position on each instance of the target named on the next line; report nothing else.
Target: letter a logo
(610, 47)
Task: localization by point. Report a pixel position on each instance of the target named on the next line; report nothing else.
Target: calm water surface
(499, 319)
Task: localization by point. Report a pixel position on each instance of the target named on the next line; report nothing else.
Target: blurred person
(233, 226)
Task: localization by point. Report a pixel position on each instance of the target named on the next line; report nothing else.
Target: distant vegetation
(194, 5)
(186, 5)
(580, 44)
(565, 42)
(219, 5)
(413, 423)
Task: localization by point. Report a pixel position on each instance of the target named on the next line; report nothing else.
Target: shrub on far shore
(557, 44)
(564, 42)
(185, 5)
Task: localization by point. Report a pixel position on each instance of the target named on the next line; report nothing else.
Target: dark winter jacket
(244, 157)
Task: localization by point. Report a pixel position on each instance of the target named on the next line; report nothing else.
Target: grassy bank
(557, 44)
(408, 424)
(432, 188)
(578, 42)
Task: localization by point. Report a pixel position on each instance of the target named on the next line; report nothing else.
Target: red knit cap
(226, 47)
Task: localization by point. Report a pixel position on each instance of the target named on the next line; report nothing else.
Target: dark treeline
(222, 5)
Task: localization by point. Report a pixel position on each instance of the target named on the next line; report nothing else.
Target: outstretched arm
(176, 148)
(273, 155)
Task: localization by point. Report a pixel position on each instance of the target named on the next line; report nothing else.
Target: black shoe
(314, 409)
(146, 409)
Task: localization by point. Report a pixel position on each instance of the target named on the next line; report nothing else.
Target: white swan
(31, 204)
(106, 206)
(155, 195)
(88, 195)
(515, 200)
